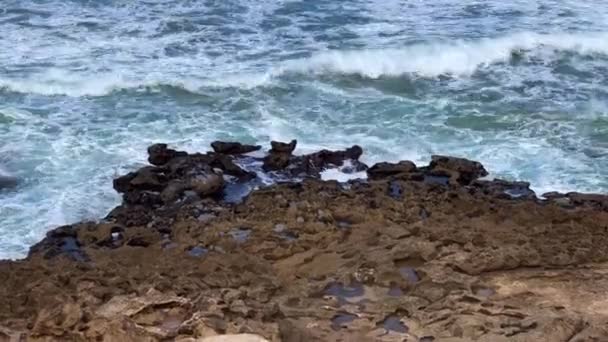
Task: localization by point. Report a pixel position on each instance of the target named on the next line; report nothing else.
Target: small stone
(300, 219)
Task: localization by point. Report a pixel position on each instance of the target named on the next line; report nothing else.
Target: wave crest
(459, 58)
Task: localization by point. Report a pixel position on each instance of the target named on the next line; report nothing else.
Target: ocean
(87, 85)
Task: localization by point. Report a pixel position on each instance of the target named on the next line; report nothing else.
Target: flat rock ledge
(202, 250)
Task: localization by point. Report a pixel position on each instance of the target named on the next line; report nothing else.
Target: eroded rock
(422, 254)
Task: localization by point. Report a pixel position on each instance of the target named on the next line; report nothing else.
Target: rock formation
(428, 253)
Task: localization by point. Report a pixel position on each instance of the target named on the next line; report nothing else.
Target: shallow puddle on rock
(395, 291)
(198, 251)
(171, 323)
(71, 247)
(434, 179)
(393, 323)
(353, 293)
(339, 290)
(284, 233)
(240, 235)
(395, 190)
(517, 192)
(409, 274)
(235, 192)
(341, 320)
(483, 291)
(407, 269)
(168, 244)
(343, 225)
(424, 214)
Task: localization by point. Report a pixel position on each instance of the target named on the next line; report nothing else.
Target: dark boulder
(384, 170)
(159, 154)
(314, 163)
(462, 171)
(276, 161)
(60, 241)
(233, 147)
(147, 178)
(279, 155)
(281, 147)
(228, 166)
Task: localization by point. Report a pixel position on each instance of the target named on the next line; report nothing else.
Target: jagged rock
(383, 170)
(131, 215)
(233, 147)
(159, 154)
(173, 191)
(296, 261)
(312, 164)
(281, 147)
(146, 178)
(227, 165)
(276, 161)
(146, 198)
(462, 171)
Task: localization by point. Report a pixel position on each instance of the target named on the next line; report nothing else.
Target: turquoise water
(86, 85)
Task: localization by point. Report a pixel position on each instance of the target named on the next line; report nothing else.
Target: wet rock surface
(427, 253)
(233, 147)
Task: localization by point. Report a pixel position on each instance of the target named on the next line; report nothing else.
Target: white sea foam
(343, 173)
(459, 58)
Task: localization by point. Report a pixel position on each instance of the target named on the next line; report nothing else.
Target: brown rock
(463, 171)
(383, 170)
(207, 184)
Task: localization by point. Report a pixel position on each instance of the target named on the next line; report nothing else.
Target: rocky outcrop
(279, 155)
(233, 147)
(386, 170)
(427, 253)
(460, 170)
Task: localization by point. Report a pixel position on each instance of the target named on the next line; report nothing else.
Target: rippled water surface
(86, 85)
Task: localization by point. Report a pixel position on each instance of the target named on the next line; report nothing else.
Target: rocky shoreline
(203, 246)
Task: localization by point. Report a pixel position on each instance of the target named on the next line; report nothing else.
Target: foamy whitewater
(87, 85)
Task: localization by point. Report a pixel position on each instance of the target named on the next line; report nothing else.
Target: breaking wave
(460, 59)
